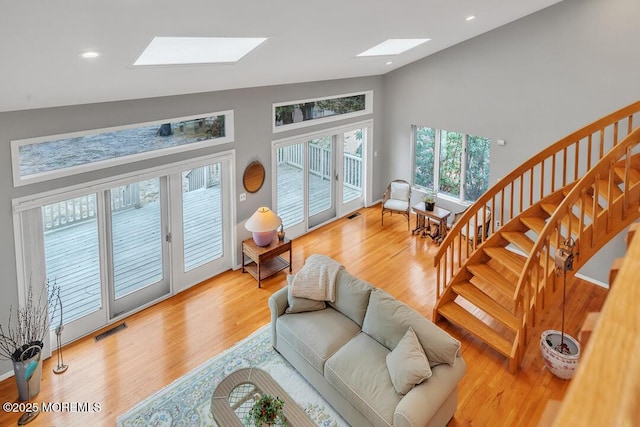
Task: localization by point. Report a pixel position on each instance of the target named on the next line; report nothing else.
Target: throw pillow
(407, 364)
(387, 320)
(352, 296)
(300, 305)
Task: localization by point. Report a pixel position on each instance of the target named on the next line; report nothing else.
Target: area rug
(186, 402)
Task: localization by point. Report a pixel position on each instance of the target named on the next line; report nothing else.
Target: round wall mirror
(253, 177)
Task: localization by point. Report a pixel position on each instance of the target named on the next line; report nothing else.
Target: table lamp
(263, 224)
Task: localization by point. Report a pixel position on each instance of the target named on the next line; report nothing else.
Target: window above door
(55, 156)
(310, 112)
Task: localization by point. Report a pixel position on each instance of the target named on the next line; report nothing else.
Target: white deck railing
(320, 163)
(73, 211)
(83, 208)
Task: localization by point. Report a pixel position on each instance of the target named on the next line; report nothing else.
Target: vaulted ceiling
(41, 42)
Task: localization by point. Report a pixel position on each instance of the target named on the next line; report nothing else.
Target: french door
(138, 247)
(319, 177)
(321, 200)
(202, 245)
(126, 243)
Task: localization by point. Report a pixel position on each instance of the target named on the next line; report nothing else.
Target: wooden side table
(437, 214)
(265, 261)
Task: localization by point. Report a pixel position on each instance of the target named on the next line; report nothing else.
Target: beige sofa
(359, 353)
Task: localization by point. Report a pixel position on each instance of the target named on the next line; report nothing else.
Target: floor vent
(353, 215)
(111, 331)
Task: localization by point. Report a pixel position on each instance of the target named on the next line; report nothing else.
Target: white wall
(253, 137)
(529, 83)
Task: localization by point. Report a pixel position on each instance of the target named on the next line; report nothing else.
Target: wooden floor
(175, 336)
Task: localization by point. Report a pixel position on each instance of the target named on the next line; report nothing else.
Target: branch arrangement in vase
(29, 325)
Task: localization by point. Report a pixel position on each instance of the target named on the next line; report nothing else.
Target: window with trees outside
(310, 112)
(43, 158)
(451, 163)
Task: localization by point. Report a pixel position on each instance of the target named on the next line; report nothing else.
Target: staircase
(585, 187)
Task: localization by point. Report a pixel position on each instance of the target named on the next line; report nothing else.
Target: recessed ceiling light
(389, 62)
(89, 54)
(393, 47)
(196, 50)
(471, 17)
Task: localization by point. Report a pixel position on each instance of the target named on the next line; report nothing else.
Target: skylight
(196, 50)
(393, 47)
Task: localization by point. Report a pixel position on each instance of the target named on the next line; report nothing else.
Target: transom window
(310, 112)
(40, 159)
(451, 163)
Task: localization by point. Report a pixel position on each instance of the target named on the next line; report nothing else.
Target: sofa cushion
(300, 305)
(387, 320)
(407, 363)
(359, 372)
(316, 335)
(352, 296)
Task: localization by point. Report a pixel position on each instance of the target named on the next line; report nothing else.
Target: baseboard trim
(6, 375)
(591, 280)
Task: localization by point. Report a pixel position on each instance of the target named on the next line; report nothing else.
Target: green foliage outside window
(477, 177)
(454, 162)
(425, 157)
(286, 114)
(450, 162)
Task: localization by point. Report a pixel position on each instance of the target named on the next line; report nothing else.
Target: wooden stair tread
(492, 278)
(461, 317)
(534, 223)
(634, 174)
(485, 303)
(550, 208)
(509, 259)
(588, 203)
(603, 189)
(521, 240)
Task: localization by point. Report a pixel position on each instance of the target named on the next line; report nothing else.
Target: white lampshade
(263, 224)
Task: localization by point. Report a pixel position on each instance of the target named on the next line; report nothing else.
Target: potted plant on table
(429, 200)
(23, 338)
(267, 411)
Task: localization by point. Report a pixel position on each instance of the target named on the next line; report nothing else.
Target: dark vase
(429, 205)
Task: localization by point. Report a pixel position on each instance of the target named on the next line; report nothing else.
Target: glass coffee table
(234, 398)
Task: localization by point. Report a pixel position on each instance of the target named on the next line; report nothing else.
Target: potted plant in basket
(23, 338)
(267, 411)
(429, 200)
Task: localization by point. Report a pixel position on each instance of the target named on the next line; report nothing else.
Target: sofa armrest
(422, 403)
(278, 303)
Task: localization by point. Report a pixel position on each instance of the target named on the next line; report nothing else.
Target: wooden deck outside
(72, 251)
(291, 195)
